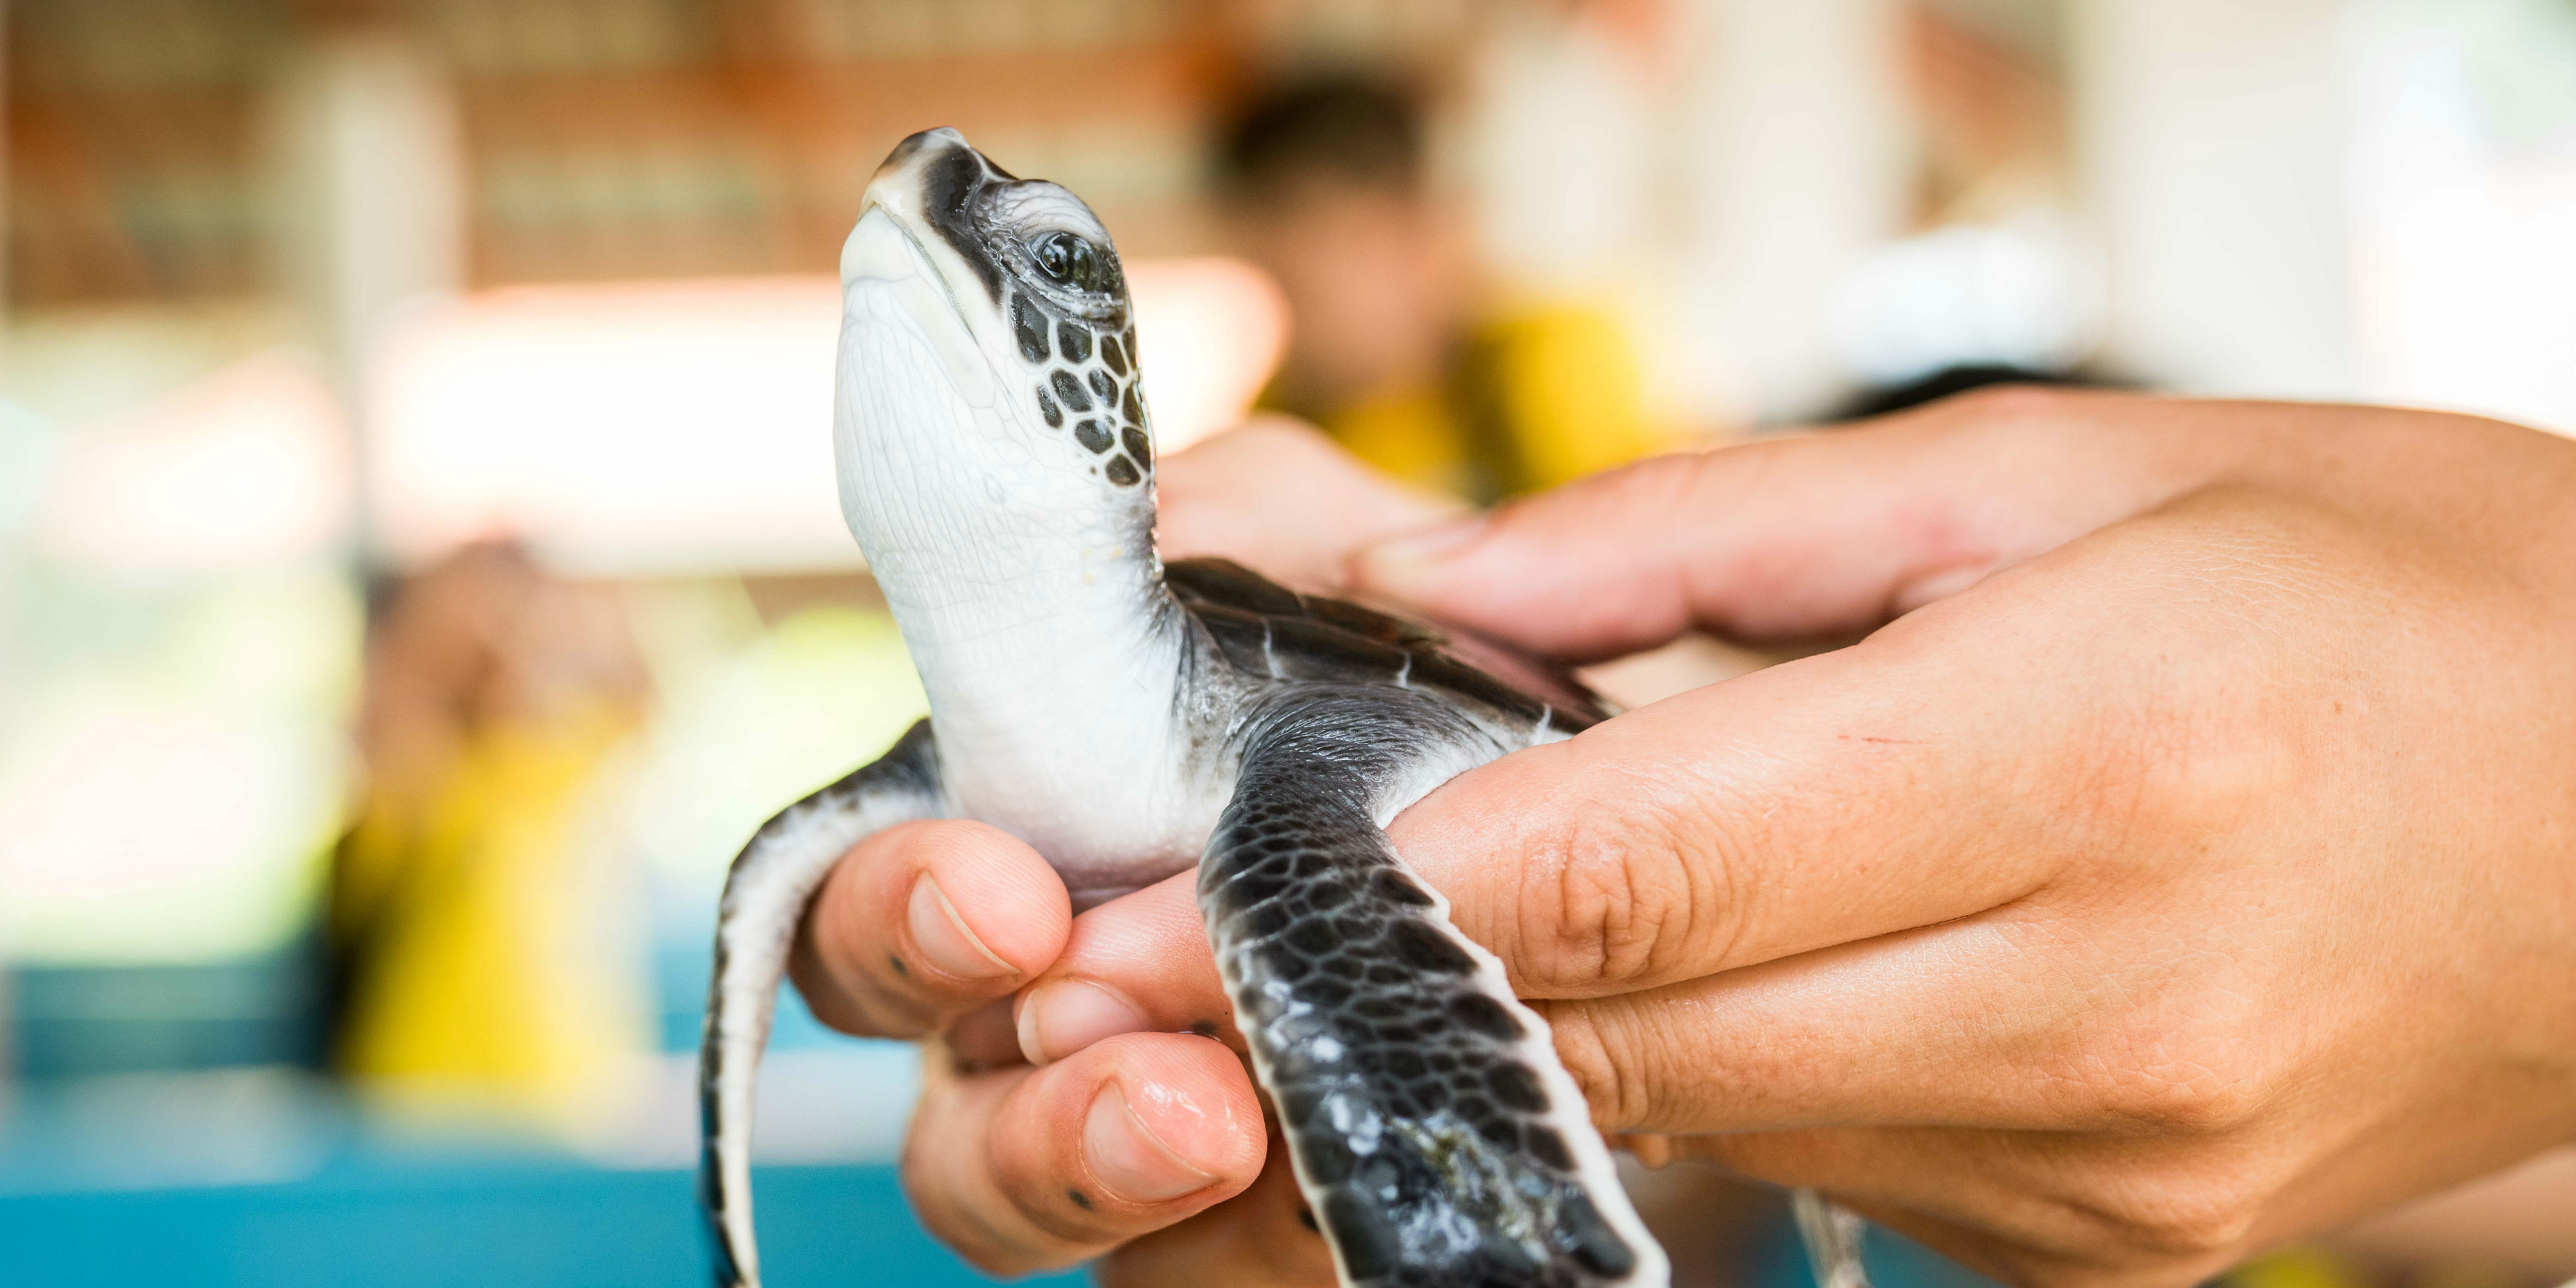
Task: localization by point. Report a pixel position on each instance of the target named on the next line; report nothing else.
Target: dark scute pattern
(1136, 444)
(1517, 1087)
(1047, 408)
(1422, 947)
(1075, 340)
(1107, 388)
(1302, 648)
(1412, 1115)
(948, 188)
(1581, 1230)
(1486, 1016)
(1442, 671)
(1319, 638)
(1069, 392)
(1368, 1240)
(1092, 437)
(1225, 582)
(1386, 628)
(1029, 327)
(1123, 472)
(1244, 637)
(1548, 1147)
(1130, 408)
(1114, 354)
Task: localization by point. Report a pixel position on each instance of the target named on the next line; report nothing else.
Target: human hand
(997, 1147)
(2190, 873)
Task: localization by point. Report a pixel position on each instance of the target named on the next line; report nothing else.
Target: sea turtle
(1130, 717)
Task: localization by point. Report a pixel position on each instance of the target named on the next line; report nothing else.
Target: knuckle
(1592, 1055)
(1596, 902)
(2205, 1209)
(976, 1214)
(2167, 769)
(946, 1217)
(976, 1236)
(2186, 1066)
(2198, 1103)
(2010, 406)
(1628, 899)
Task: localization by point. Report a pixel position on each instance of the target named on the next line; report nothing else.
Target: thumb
(1797, 538)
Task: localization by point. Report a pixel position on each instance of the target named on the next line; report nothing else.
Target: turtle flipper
(1434, 1133)
(764, 898)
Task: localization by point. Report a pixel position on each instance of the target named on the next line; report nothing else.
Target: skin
(2183, 862)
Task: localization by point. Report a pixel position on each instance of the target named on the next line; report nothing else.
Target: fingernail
(1127, 1159)
(941, 936)
(1061, 1018)
(1410, 563)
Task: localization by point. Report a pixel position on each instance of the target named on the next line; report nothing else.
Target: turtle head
(988, 378)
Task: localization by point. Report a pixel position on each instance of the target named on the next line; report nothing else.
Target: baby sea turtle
(1129, 718)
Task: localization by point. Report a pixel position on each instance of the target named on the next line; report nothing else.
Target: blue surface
(1778, 1260)
(489, 1225)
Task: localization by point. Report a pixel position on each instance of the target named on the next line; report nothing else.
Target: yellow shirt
(1536, 398)
(494, 981)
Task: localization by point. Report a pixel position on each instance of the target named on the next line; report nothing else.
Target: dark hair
(1343, 127)
(1948, 381)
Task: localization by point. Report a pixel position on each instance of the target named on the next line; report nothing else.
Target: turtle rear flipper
(764, 899)
(1434, 1133)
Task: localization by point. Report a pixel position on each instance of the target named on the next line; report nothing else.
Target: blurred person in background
(487, 944)
(1392, 349)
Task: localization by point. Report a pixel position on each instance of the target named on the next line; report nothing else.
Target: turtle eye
(1067, 259)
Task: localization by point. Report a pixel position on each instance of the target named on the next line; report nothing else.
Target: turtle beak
(898, 183)
(890, 213)
(890, 251)
(923, 189)
(880, 249)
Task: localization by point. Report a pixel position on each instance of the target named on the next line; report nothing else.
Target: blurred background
(420, 567)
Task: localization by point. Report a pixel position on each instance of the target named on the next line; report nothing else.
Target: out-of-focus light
(2463, 208)
(1212, 330)
(2015, 294)
(144, 832)
(244, 467)
(616, 428)
(658, 427)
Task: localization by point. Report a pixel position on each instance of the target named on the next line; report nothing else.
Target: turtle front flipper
(764, 899)
(1434, 1133)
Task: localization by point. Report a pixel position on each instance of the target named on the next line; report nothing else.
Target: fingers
(1927, 1182)
(1832, 799)
(1264, 1237)
(2026, 1207)
(1799, 538)
(1137, 964)
(1279, 497)
(2054, 722)
(922, 924)
(1994, 1023)
(1028, 1169)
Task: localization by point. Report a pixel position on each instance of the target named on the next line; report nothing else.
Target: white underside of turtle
(1131, 720)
